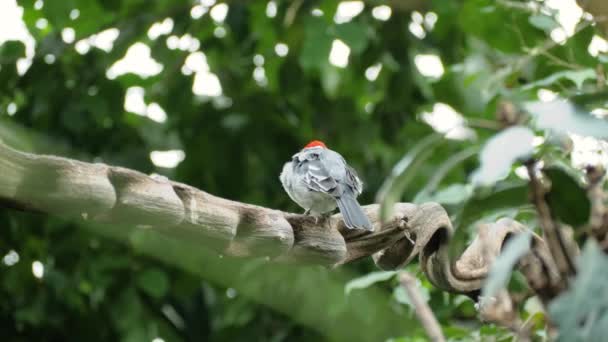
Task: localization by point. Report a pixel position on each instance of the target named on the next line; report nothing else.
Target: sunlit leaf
(368, 280)
(543, 22)
(563, 116)
(503, 266)
(453, 194)
(500, 152)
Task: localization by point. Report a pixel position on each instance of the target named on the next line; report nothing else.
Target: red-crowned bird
(318, 179)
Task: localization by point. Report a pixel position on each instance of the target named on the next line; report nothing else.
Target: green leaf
(58, 12)
(403, 173)
(451, 163)
(368, 280)
(154, 282)
(581, 313)
(500, 152)
(503, 197)
(567, 198)
(316, 46)
(563, 116)
(401, 296)
(10, 51)
(354, 35)
(330, 80)
(578, 77)
(503, 266)
(453, 194)
(543, 22)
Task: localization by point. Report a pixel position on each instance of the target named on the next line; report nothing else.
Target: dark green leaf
(10, 51)
(567, 197)
(316, 46)
(154, 282)
(354, 35)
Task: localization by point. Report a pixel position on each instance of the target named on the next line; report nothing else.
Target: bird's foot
(326, 215)
(322, 218)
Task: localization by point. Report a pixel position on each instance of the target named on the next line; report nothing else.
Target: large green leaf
(567, 197)
(403, 173)
(581, 313)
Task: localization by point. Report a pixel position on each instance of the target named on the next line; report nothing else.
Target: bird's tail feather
(353, 214)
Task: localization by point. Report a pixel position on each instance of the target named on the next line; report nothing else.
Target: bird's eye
(314, 156)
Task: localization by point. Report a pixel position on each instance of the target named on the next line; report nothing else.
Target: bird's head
(315, 143)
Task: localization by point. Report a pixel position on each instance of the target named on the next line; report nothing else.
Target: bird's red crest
(315, 143)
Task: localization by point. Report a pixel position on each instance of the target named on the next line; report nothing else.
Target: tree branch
(424, 313)
(557, 246)
(108, 194)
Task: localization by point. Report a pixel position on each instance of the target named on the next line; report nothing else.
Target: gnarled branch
(102, 193)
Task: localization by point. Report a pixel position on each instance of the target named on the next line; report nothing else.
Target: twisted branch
(107, 194)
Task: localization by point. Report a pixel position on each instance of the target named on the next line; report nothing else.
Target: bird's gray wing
(314, 174)
(353, 181)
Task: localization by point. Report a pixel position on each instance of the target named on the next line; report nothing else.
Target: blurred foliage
(581, 312)
(95, 288)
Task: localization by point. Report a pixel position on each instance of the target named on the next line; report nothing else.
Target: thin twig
(598, 221)
(560, 62)
(426, 316)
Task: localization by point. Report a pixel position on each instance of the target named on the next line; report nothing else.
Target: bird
(319, 180)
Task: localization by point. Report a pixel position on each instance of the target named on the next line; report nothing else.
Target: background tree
(220, 95)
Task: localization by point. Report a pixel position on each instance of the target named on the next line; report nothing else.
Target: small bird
(318, 179)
